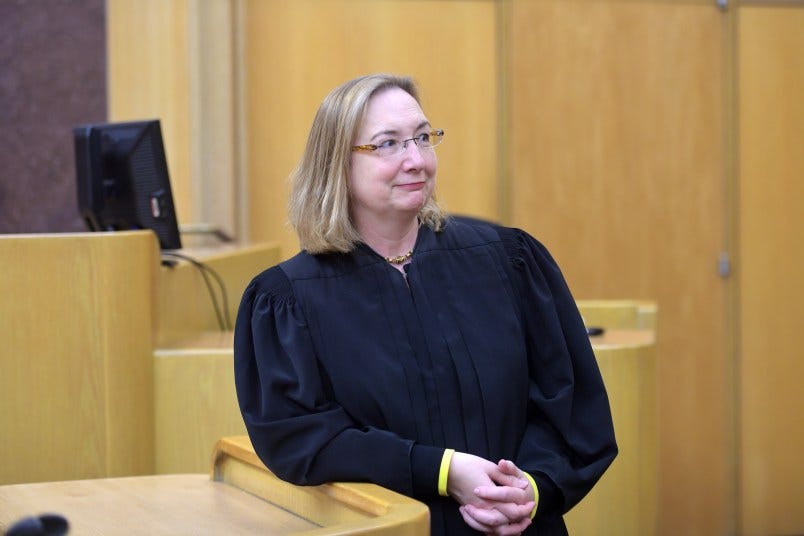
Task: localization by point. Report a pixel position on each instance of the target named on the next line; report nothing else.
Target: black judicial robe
(345, 371)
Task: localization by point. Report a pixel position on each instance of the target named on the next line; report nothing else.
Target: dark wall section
(52, 77)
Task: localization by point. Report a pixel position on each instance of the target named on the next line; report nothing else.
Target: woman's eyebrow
(384, 133)
(392, 132)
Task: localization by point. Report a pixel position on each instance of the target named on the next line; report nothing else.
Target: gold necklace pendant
(400, 259)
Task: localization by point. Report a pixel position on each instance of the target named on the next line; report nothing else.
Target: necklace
(400, 259)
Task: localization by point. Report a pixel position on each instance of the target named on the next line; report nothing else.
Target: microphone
(43, 525)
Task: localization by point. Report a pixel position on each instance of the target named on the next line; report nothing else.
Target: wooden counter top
(163, 504)
(239, 497)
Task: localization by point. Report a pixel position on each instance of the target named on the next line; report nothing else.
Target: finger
(472, 522)
(503, 530)
(515, 512)
(511, 513)
(514, 528)
(502, 494)
(488, 517)
(509, 480)
(508, 467)
(508, 474)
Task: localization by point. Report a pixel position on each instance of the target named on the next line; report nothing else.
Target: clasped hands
(495, 499)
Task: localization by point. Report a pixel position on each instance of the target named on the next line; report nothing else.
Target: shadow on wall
(52, 77)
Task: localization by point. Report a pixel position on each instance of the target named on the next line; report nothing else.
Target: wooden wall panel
(175, 60)
(771, 138)
(296, 51)
(195, 403)
(76, 370)
(149, 77)
(617, 162)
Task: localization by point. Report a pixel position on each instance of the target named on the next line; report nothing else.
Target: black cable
(211, 291)
(224, 321)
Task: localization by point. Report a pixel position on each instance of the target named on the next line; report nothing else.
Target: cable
(224, 321)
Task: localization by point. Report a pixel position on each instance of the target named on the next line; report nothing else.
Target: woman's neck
(391, 239)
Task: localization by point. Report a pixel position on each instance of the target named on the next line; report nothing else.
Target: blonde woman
(440, 357)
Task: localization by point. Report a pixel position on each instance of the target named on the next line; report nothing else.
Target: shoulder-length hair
(319, 199)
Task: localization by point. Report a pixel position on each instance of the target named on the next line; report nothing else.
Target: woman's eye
(424, 137)
(387, 144)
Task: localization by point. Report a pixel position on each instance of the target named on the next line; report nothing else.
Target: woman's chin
(414, 202)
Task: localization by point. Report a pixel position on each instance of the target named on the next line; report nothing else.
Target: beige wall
(606, 128)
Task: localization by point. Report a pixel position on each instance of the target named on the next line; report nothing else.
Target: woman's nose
(414, 155)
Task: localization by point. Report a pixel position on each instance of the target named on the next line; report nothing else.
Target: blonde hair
(319, 199)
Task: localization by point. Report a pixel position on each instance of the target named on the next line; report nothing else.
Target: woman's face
(385, 187)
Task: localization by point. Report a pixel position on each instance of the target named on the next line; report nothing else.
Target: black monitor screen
(123, 180)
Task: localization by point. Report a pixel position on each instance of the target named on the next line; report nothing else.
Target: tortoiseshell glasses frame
(391, 147)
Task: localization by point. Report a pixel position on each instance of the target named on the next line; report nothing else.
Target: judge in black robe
(348, 369)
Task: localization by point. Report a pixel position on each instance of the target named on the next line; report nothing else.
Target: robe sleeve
(295, 425)
(569, 440)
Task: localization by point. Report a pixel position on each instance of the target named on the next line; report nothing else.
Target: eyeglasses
(391, 147)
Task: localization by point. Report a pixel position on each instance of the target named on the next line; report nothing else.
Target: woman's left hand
(510, 502)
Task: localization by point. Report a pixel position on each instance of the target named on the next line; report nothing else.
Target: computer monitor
(123, 180)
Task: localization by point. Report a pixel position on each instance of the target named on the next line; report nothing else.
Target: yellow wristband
(535, 494)
(443, 472)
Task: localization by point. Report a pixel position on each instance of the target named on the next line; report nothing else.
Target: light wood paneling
(617, 161)
(194, 395)
(297, 51)
(195, 401)
(214, 122)
(149, 77)
(175, 60)
(76, 391)
(771, 140)
(614, 133)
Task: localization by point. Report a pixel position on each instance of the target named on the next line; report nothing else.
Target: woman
(440, 357)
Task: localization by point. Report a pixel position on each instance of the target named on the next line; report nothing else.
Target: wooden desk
(164, 504)
(623, 503)
(619, 314)
(89, 322)
(241, 497)
(196, 403)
